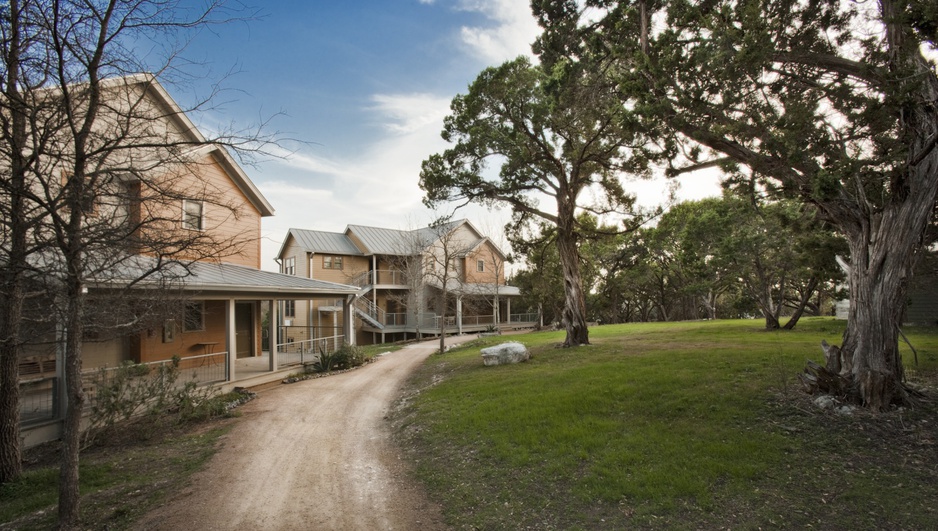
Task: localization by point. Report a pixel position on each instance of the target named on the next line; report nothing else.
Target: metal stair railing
(368, 310)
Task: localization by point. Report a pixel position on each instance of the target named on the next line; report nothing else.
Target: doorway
(244, 329)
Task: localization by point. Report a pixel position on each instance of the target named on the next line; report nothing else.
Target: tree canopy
(554, 133)
(826, 101)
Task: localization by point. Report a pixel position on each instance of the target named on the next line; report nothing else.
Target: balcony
(382, 277)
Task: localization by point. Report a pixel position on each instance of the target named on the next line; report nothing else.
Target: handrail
(381, 276)
(369, 308)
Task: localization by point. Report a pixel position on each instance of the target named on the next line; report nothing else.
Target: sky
(357, 91)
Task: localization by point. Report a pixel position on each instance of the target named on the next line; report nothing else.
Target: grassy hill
(667, 425)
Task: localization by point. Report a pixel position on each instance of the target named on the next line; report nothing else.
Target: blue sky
(361, 89)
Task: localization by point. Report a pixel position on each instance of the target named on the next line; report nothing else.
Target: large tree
(832, 102)
(556, 134)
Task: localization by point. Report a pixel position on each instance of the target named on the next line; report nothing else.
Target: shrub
(347, 357)
(139, 389)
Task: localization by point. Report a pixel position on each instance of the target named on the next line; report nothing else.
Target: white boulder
(505, 353)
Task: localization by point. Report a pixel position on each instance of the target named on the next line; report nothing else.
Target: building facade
(401, 276)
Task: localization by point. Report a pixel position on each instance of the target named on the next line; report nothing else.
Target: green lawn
(667, 425)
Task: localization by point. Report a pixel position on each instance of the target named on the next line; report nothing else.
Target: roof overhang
(223, 281)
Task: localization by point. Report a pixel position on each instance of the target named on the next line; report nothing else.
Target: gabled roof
(375, 240)
(174, 113)
(482, 242)
(318, 241)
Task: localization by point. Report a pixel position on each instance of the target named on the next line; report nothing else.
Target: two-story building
(400, 276)
(211, 319)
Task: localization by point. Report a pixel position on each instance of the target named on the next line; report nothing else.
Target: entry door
(244, 330)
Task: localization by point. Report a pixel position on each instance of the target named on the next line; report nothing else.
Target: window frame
(187, 217)
(480, 266)
(289, 266)
(333, 262)
(186, 316)
(289, 308)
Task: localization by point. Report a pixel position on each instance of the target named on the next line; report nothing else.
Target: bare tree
(105, 161)
(409, 262)
(441, 267)
(497, 262)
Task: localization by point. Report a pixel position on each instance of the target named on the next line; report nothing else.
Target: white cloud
(512, 34)
(309, 163)
(408, 113)
(379, 186)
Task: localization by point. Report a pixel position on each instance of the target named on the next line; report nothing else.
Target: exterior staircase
(367, 310)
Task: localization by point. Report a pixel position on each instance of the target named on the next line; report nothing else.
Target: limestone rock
(505, 353)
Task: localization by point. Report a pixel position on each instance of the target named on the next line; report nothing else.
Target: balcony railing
(388, 277)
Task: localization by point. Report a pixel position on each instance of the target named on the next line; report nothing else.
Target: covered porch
(215, 339)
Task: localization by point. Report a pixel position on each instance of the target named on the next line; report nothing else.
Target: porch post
(348, 320)
(272, 320)
(508, 307)
(459, 314)
(230, 338)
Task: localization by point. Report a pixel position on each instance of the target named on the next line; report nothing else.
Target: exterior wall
(110, 353)
(183, 344)
(351, 267)
(493, 264)
(235, 220)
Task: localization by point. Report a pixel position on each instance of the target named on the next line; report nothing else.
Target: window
(480, 266)
(289, 266)
(193, 319)
(289, 308)
(192, 215)
(332, 262)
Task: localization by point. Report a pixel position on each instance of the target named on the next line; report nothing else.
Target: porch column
(459, 314)
(348, 320)
(508, 308)
(230, 338)
(272, 320)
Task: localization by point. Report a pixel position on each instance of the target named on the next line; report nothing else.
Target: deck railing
(38, 400)
(387, 277)
(300, 352)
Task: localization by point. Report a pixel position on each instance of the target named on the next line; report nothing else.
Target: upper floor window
(193, 318)
(480, 266)
(192, 217)
(332, 262)
(289, 266)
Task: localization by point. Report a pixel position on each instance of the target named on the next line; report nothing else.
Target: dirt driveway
(311, 455)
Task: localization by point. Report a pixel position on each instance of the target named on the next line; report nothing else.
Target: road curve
(311, 455)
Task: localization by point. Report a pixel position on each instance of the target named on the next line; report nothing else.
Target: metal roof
(399, 242)
(316, 241)
(375, 240)
(220, 277)
(479, 289)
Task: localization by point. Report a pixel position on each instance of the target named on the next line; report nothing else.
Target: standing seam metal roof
(375, 240)
(325, 242)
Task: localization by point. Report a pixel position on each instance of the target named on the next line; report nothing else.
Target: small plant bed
(693, 425)
(345, 359)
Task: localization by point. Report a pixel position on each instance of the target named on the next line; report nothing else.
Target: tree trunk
(802, 304)
(878, 280)
(13, 279)
(10, 454)
(71, 437)
(883, 242)
(574, 309)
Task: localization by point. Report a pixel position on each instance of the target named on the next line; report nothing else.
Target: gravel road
(313, 455)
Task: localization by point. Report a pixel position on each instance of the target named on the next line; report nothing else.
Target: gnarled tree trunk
(574, 308)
